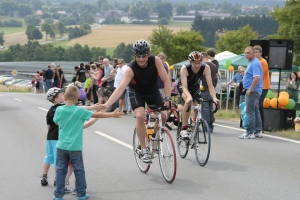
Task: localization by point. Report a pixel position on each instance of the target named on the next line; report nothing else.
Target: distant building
(62, 12)
(39, 12)
(204, 14)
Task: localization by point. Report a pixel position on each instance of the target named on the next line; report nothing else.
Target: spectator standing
(48, 78)
(253, 82)
(41, 82)
(174, 91)
(74, 73)
(88, 87)
(266, 80)
(120, 69)
(55, 78)
(81, 74)
(292, 86)
(61, 76)
(107, 80)
(37, 81)
(207, 107)
(159, 80)
(93, 73)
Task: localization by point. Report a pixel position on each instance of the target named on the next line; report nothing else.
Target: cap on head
(141, 47)
(195, 56)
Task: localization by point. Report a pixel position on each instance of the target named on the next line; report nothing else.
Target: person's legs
(261, 102)
(95, 95)
(252, 112)
(61, 171)
(77, 162)
(206, 110)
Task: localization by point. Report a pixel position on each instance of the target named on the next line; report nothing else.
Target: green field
(180, 24)
(11, 30)
(63, 44)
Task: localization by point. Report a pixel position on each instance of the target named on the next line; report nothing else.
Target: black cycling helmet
(141, 47)
(195, 56)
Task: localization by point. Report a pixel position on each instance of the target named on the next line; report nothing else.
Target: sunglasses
(141, 55)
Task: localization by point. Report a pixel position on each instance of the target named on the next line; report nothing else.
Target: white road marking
(264, 135)
(43, 109)
(114, 139)
(17, 99)
(238, 129)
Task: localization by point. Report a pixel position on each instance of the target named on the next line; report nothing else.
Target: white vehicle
(12, 82)
(5, 78)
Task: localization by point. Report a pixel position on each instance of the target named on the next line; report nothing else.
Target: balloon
(230, 68)
(291, 104)
(269, 94)
(171, 67)
(283, 100)
(273, 103)
(266, 103)
(284, 94)
(298, 74)
(298, 68)
(225, 66)
(228, 62)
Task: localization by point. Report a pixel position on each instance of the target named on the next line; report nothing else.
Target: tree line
(10, 23)
(211, 29)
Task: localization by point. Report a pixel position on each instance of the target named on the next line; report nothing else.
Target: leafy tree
(100, 2)
(47, 28)
(37, 34)
(49, 20)
(184, 42)
(29, 31)
(32, 19)
(8, 7)
(7, 56)
(181, 10)
(139, 13)
(24, 10)
(2, 38)
(161, 39)
(123, 51)
(289, 25)
(163, 21)
(61, 28)
(37, 4)
(236, 41)
(164, 10)
(105, 7)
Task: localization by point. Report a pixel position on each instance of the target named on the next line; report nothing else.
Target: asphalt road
(266, 168)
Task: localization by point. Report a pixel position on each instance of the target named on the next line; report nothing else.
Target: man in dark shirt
(207, 107)
(141, 77)
(48, 78)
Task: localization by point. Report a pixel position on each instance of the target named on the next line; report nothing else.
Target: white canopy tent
(224, 55)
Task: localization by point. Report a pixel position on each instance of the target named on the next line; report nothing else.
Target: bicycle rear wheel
(138, 155)
(167, 156)
(182, 145)
(202, 142)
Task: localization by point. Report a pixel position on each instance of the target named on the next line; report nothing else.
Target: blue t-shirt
(70, 121)
(254, 69)
(237, 78)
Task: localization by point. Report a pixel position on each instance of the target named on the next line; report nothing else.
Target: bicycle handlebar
(200, 100)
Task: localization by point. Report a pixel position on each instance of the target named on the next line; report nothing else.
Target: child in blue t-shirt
(70, 120)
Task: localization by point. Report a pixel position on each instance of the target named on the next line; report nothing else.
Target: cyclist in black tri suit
(190, 75)
(141, 77)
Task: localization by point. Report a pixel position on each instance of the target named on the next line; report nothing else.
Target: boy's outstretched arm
(114, 114)
(90, 122)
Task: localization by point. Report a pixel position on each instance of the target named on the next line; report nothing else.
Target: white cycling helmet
(51, 93)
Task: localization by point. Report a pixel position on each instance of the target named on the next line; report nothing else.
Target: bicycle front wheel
(182, 145)
(167, 156)
(138, 154)
(202, 142)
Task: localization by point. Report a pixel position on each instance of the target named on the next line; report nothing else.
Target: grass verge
(13, 88)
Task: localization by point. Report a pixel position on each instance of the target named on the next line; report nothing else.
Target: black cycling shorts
(138, 100)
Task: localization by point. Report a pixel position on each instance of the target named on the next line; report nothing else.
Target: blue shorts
(51, 152)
